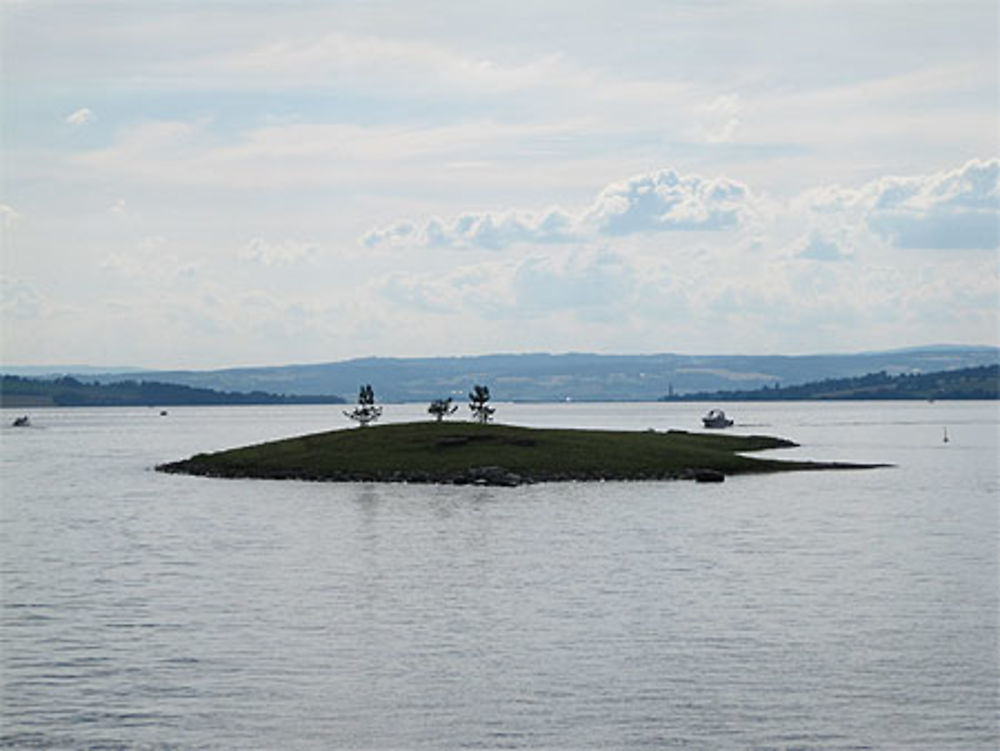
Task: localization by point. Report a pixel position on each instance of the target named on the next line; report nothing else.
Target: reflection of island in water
(464, 453)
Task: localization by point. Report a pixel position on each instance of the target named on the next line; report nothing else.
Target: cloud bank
(814, 268)
(665, 201)
(958, 208)
(660, 201)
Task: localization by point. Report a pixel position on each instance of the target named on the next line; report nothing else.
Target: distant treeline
(16, 391)
(967, 383)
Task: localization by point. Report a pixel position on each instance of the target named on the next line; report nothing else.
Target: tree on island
(366, 411)
(441, 408)
(481, 411)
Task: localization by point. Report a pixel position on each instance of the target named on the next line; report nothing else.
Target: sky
(204, 184)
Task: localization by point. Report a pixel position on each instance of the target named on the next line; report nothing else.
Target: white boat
(716, 418)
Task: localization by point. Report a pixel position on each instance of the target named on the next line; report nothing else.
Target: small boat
(22, 422)
(716, 418)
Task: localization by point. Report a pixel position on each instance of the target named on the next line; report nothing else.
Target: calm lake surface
(821, 610)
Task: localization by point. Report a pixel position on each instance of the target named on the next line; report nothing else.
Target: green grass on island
(468, 453)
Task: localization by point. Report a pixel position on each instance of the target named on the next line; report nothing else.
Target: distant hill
(16, 391)
(965, 383)
(576, 376)
(31, 371)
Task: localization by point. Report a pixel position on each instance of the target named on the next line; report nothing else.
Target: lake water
(818, 610)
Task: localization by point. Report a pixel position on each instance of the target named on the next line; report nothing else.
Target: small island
(491, 454)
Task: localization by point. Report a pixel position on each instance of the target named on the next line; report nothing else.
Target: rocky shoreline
(488, 476)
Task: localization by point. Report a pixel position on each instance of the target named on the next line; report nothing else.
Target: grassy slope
(436, 452)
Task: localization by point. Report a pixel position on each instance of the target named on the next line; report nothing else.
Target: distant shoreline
(542, 378)
(20, 392)
(964, 384)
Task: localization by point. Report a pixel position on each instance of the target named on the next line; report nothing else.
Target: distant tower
(670, 390)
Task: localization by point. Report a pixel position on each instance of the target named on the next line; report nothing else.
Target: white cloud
(721, 118)
(665, 200)
(951, 209)
(491, 231)
(80, 117)
(398, 234)
(655, 202)
(955, 209)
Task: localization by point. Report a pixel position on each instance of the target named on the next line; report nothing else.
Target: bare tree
(478, 398)
(366, 411)
(441, 408)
